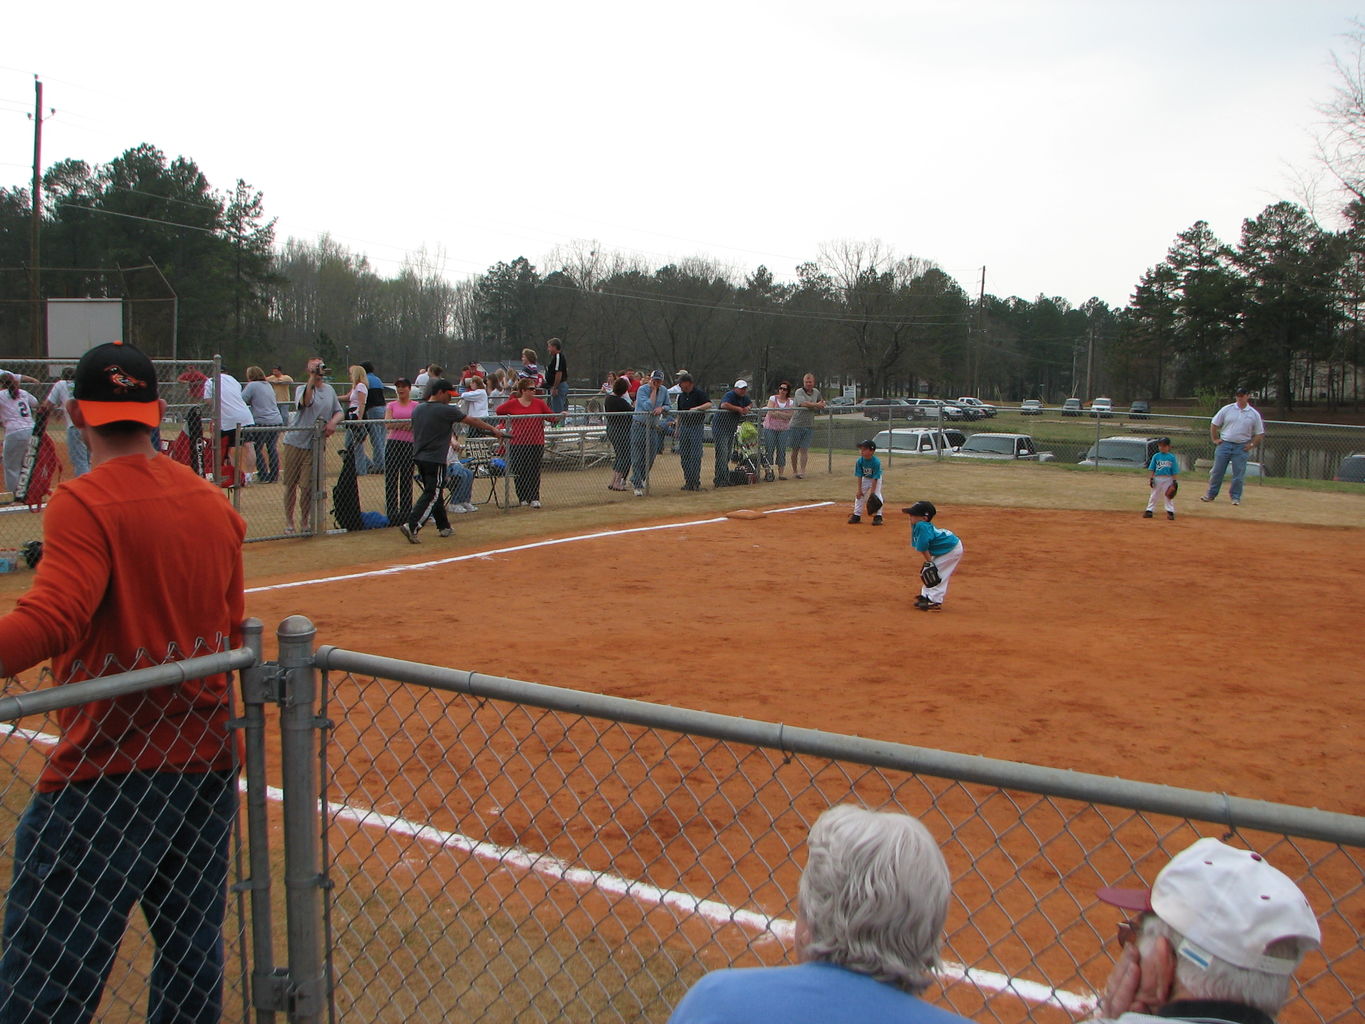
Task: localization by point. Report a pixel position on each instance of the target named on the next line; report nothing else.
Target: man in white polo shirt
(1235, 429)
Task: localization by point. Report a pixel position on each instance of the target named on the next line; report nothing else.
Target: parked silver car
(1002, 446)
(919, 442)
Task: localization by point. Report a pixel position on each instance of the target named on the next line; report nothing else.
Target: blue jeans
(77, 452)
(775, 441)
(690, 440)
(559, 397)
(378, 438)
(1234, 452)
(645, 444)
(266, 442)
(460, 481)
(83, 855)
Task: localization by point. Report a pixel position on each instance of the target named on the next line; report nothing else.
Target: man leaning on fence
(873, 899)
(142, 564)
(1217, 938)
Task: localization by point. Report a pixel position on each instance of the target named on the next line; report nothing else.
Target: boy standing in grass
(868, 470)
(1163, 471)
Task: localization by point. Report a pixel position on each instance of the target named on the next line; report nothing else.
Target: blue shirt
(1164, 464)
(805, 994)
(931, 540)
(645, 402)
(868, 468)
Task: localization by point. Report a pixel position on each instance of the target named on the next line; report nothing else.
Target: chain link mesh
(524, 864)
(99, 848)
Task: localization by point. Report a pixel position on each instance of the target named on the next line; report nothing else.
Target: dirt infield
(1095, 641)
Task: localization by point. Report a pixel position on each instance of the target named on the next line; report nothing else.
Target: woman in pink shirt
(398, 454)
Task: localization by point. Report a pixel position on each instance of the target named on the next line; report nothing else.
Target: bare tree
(1341, 138)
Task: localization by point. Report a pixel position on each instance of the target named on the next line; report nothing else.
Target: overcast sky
(1062, 145)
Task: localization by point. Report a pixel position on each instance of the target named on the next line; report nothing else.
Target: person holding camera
(316, 401)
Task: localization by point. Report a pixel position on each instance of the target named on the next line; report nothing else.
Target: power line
(133, 216)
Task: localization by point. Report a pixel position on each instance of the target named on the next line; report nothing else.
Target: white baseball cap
(1227, 902)
(741, 383)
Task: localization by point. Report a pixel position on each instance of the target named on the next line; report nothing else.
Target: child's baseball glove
(1171, 491)
(928, 574)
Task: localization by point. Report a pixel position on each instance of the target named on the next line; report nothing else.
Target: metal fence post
(216, 435)
(316, 476)
(254, 697)
(302, 820)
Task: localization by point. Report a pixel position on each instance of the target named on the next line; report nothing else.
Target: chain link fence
(423, 843)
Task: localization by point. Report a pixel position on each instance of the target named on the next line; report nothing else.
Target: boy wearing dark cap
(1162, 473)
(939, 547)
(868, 470)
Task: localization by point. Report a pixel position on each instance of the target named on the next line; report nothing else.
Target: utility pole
(980, 335)
(1089, 362)
(35, 268)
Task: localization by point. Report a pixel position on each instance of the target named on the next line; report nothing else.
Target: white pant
(15, 449)
(1159, 494)
(946, 564)
(865, 489)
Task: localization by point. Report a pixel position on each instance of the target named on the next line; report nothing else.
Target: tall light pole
(35, 266)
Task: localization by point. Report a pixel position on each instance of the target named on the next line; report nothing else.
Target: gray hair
(1220, 979)
(874, 896)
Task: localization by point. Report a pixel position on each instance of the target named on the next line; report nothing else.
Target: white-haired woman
(873, 899)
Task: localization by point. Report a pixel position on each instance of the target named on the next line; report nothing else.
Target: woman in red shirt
(527, 446)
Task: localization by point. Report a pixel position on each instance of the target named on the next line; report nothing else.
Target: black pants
(398, 481)
(431, 505)
(524, 461)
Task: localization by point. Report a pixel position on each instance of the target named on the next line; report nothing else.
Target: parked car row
(959, 445)
(972, 409)
(887, 409)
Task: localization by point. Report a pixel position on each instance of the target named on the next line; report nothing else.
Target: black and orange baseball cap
(116, 383)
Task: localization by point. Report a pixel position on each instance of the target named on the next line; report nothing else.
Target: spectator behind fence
(1218, 937)
(734, 405)
(692, 403)
(356, 429)
(314, 402)
(873, 899)
(259, 397)
(808, 402)
(142, 563)
(557, 376)
(17, 408)
(398, 454)
(618, 432)
(775, 423)
(419, 384)
(527, 449)
(474, 401)
(374, 410)
(235, 419)
(647, 429)
(55, 406)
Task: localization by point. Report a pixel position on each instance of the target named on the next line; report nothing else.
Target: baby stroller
(747, 456)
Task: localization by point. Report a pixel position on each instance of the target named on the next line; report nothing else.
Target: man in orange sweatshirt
(142, 564)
